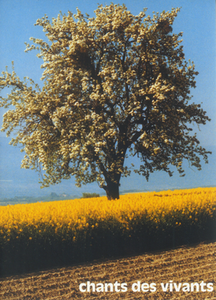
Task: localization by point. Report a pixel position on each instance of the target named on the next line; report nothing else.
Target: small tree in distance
(112, 84)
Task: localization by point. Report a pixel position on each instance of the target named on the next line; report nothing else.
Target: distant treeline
(24, 200)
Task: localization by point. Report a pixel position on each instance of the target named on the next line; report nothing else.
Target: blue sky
(196, 20)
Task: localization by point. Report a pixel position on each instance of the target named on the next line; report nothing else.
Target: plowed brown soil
(182, 265)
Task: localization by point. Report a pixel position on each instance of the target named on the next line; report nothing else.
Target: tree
(113, 85)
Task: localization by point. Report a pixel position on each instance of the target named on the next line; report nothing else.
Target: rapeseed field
(67, 218)
(88, 227)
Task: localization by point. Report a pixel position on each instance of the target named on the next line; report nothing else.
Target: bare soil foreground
(174, 269)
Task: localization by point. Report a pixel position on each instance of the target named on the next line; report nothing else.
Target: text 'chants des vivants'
(145, 287)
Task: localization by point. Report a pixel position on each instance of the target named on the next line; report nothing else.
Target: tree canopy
(114, 84)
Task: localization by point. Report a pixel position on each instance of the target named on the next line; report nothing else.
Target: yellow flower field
(68, 218)
(44, 235)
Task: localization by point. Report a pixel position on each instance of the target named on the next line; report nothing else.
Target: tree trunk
(112, 190)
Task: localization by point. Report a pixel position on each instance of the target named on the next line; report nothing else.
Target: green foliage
(90, 195)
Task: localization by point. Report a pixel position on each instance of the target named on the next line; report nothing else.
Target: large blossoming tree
(112, 84)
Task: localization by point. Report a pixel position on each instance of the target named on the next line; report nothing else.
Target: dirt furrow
(188, 265)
